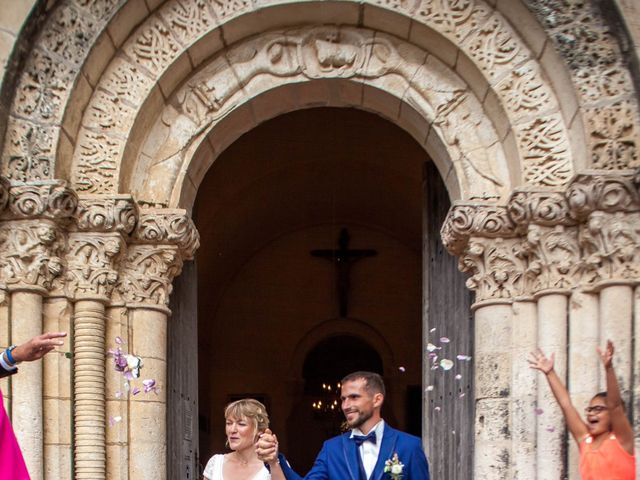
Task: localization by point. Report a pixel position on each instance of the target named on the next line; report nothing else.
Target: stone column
(92, 264)
(636, 374)
(162, 239)
(524, 381)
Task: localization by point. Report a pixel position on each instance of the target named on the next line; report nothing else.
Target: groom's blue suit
(338, 459)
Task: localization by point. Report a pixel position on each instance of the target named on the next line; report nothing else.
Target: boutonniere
(394, 467)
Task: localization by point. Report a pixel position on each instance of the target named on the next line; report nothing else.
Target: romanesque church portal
(258, 196)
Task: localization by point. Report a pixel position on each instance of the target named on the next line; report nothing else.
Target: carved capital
(466, 220)
(554, 260)
(539, 207)
(164, 226)
(92, 263)
(147, 273)
(497, 268)
(47, 199)
(99, 213)
(30, 254)
(607, 192)
(611, 248)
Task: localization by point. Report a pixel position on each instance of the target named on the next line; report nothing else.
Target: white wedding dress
(213, 470)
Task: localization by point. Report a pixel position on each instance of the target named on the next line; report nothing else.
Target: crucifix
(343, 258)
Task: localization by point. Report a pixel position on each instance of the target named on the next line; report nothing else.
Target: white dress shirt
(368, 451)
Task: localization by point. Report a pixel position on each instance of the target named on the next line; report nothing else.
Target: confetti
(446, 364)
(119, 394)
(150, 386)
(539, 411)
(429, 388)
(453, 432)
(463, 357)
(432, 348)
(135, 391)
(437, 409)
(444, 340)
(432, 330)
(458, 377)
(114, 420)
(551, 429)
(461, 395)
(402, 369)
(119, 340)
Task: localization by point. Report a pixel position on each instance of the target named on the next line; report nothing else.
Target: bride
(245, 419)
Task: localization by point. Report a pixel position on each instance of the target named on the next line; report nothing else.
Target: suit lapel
(350, 452)
(389, 439)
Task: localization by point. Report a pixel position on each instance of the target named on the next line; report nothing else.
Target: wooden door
(182, 378)
(448, 395)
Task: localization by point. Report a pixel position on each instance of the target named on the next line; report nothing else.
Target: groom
(360, 453)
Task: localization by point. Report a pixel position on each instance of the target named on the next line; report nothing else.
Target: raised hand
(267, 446)
(607, 355)
(38, 347)
(539, 361)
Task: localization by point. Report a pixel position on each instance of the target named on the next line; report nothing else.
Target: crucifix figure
(343, 258)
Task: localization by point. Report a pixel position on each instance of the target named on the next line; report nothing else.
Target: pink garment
(12, 465)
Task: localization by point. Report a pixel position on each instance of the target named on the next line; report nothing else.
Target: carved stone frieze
(187, 20)
(107, 214)
(92, 262)
(497, 268)
(614, 136)
(98, 170)
(29, 151)
(611, 247)
(467, 220)
(30, 254)
(605, 192)
(554, 261)
(539, 207)
(153, 47)
(51, 199)
(167, 226)
(146, 275)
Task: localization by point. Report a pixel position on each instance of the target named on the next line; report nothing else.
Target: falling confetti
(150, 386)
(119, 341)
(114, 420)
(432, 330)
(429, 388)
(539, 411)
(402, 369)
(458, 377)
(444, 340)
(463, 357)
(551, 429)
(461, 395)
(437, 409)
(432, 348)
(135, 391)
(446, 364)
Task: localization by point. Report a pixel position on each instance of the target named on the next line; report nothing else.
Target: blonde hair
(250, 409)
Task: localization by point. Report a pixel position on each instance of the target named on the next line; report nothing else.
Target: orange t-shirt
(609, 462)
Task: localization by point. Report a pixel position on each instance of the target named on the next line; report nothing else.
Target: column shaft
(616, 311)
(89, 390)
(26, 386)
(552, 338)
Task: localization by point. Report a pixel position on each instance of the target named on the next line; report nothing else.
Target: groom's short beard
(362, 418)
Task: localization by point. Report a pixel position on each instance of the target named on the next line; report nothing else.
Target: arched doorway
(281, 191)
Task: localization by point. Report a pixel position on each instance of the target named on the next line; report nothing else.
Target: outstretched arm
(577, 427)
(34, 349)
(619, 421)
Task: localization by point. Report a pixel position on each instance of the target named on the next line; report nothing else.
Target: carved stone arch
(481, 46)
(343, 326)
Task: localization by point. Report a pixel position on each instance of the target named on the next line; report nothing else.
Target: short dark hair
(373, 381)
(600, 395)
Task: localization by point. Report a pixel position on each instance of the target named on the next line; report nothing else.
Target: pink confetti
(119, 340)
(551, 429)
(539, 411)
(135, 391)
(114, 420)
(150, 386)
(402, 369)
(444, 340)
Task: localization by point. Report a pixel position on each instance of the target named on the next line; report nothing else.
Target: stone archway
(540, 91)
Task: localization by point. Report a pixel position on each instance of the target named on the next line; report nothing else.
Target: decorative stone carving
(554, 261)
(29, 151)
(545, 148)
(605, 192)
(111, 214)
(497, 267)
(525, 93)
(102, 10)
(30, 253)
(455, 19)
(69, 35)
(465, 221)
(51, 199)
(613, 136)
(153, 47)
(98, 171)
(611, 247)
(146, 275)
(539, 207)
(167, 226)
(92, 263)
(187, 20)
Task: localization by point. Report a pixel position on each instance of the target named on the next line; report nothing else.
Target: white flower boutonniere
(394, 467)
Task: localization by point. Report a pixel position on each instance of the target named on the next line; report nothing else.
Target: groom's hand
(267, 447)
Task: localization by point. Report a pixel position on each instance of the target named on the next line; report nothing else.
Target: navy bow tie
(360, 439)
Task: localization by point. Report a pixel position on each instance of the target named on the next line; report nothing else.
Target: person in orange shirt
(606, 438)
